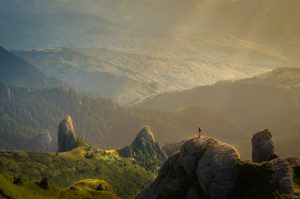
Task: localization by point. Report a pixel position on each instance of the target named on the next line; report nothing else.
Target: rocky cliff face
(206, 168)
(145, 150)
(67, 139)
(262, 146)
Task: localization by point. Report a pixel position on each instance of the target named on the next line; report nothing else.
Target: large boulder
(145, 150)
(67, 139)
(204, 168)
(262, 147)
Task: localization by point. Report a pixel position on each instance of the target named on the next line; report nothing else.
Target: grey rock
(145, 150)
(67, 139)
(202, 165)
(166, 184)
(262, 147)
(216, 169)
(206, 168)
(145, 142)
(283, 176)
(125, 152)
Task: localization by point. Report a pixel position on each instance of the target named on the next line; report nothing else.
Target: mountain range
(139, 49)
(269, 100)
(174, 115)
(128, 78)
(28, 111)
(151, 99)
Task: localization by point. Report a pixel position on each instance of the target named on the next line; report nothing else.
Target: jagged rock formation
(206, 168)
(67, 139)
(262, 146)
(203, 167)
(43, 142)
(145, 150)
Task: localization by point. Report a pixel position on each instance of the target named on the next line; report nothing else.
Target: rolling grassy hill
(83, 189)
(64, 169)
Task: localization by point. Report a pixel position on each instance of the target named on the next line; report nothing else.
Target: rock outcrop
(204, 168)
(145, 150)
(262, 147)
(283, 176)
(67, 139)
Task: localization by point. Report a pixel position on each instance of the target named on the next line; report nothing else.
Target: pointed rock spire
(145, 150)
(67, 139)
(262, 146)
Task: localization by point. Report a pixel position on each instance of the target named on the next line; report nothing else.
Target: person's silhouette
(199, 131)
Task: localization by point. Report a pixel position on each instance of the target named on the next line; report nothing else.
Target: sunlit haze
(149, 99)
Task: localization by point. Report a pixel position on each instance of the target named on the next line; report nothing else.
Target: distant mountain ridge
(17, 72)
(270, 100)
(129, 76)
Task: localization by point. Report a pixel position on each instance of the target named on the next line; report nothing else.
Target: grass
(63, 169)
(89, 188)
(27, 190)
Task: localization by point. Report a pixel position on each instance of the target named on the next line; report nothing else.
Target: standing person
(199, 131)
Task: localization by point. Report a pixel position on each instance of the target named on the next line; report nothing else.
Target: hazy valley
(151, 99)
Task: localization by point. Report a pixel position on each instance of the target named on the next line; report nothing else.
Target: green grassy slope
(26, 190)
(64, 169)
(88, 188)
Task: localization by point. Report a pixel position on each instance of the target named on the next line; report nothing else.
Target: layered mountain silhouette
(269, 99)
(273, 96)
(17, 72)
(100, 120)
(138, 61)
(129, 76)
